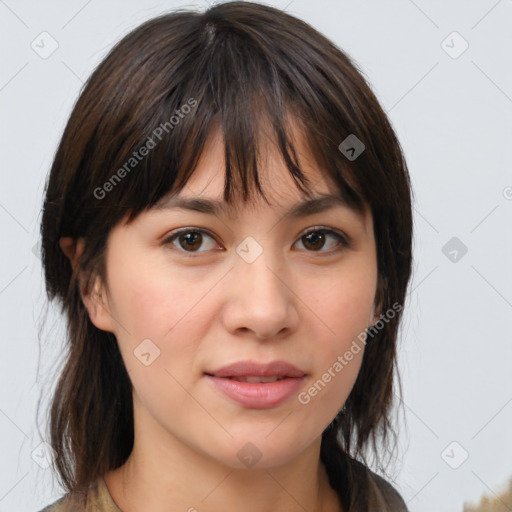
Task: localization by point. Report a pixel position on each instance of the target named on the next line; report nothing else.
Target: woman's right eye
(189, 240)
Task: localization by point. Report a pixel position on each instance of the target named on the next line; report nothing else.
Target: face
(190, 293)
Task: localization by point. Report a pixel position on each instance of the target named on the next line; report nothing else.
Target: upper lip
(251, 368)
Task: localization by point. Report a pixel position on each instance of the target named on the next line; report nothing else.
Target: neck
(172, 476)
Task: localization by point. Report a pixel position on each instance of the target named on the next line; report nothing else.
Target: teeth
(257, 378)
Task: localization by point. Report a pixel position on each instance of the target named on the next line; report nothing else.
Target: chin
(254, 450)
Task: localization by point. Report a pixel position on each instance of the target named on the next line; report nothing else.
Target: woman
(227, 224)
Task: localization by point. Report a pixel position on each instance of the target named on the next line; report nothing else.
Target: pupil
(191, 239)
(315, 238)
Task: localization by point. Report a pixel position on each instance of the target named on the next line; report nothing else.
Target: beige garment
(98, 499)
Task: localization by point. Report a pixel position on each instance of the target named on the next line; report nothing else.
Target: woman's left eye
(317, 237)
(314, 240)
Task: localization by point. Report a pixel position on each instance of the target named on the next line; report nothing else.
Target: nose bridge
(259, 299)
(257, 272)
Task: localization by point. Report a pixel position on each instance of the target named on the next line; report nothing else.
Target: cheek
(156, 307)
(344, 309)
(170, 308)
(345, 303)
(152, 298)
(142, 304)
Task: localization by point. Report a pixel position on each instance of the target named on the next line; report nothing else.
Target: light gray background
(452, 116)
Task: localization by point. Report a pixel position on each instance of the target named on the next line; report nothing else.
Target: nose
(260, 300)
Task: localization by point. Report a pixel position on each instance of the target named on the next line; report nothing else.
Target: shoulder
(95, 499)
(387, 493)
(54, 507)
(69, 502)
(359, 487)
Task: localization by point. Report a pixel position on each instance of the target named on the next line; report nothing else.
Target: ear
(95, 300)
(378, 306)
(374, 316)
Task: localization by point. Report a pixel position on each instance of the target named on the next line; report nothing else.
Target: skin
(203, 312)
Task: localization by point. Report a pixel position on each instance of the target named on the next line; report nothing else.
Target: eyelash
(344, 241)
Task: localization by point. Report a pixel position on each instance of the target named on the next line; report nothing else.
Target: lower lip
(257, 395)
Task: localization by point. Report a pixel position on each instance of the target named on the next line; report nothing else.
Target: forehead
(204, 189)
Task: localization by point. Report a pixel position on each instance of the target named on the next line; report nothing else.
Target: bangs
(230, 80)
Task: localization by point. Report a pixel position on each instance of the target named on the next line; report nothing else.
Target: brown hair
(235, 65)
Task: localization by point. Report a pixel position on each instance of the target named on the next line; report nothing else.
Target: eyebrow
(311, 206)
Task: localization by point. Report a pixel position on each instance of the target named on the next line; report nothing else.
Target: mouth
(257, 385)
(275, 370)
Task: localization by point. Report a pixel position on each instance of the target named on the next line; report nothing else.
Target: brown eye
(190, 240)
(316, 239)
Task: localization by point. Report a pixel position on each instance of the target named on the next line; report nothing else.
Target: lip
(247, 368)
(257, 395)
